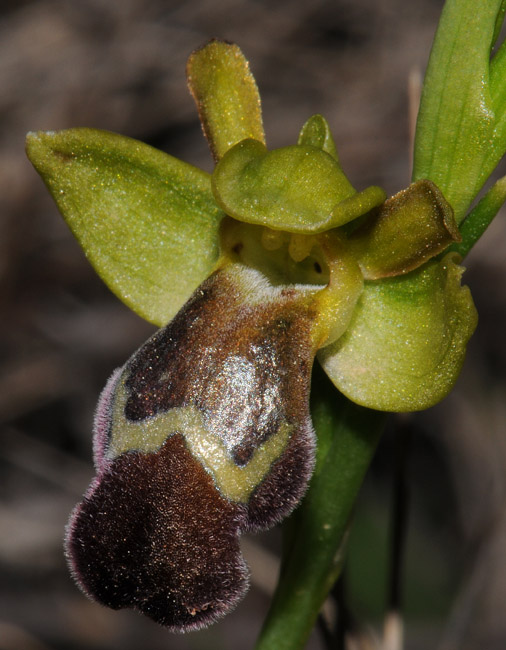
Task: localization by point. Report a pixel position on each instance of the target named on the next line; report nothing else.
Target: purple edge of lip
(100, 436)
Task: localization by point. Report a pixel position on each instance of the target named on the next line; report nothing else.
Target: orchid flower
(251, 272)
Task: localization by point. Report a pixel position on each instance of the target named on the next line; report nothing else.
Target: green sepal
(316, 133)
(406, 342)
(298, 188)
(147, 222)
(403, 233)
(226, 95)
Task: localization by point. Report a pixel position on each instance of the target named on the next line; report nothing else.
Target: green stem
(314, 536)
(479, 219)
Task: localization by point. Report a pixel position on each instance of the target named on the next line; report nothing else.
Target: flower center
(317, 266)
(284, 258)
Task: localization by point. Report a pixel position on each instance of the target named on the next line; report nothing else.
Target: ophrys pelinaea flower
(252, 272)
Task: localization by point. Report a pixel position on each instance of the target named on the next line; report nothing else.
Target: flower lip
(203, 434)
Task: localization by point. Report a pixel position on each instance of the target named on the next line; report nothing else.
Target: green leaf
(147, 222)
(314, 537)
(461, 128)
(407, 230)
(406, 342)
(299, 188)
(226, 95)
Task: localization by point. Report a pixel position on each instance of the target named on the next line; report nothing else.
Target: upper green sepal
(407, 230)
(407, 339)
(147, 221)
(299, 188)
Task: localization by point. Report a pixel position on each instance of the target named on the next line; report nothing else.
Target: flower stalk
(314, 537)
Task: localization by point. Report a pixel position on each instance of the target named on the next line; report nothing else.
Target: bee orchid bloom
(251, 272)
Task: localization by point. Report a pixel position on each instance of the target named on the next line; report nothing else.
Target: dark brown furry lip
(157, 531)
(132, 537)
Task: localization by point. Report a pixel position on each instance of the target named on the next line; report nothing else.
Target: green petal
(298, 188)
(406, 343)
(226, 95)
(406, 231)
(147, 221)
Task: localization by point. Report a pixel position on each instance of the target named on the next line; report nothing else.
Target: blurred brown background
(121, 66)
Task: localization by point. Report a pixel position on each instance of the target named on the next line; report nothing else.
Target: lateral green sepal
(406, 342)
(147, 222)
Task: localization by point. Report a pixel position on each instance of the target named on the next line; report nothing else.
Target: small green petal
(316, 133)
(355, 206)
(226, 95)
(298, 188)
(406, 231)
(406, 343)
(147, 221)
